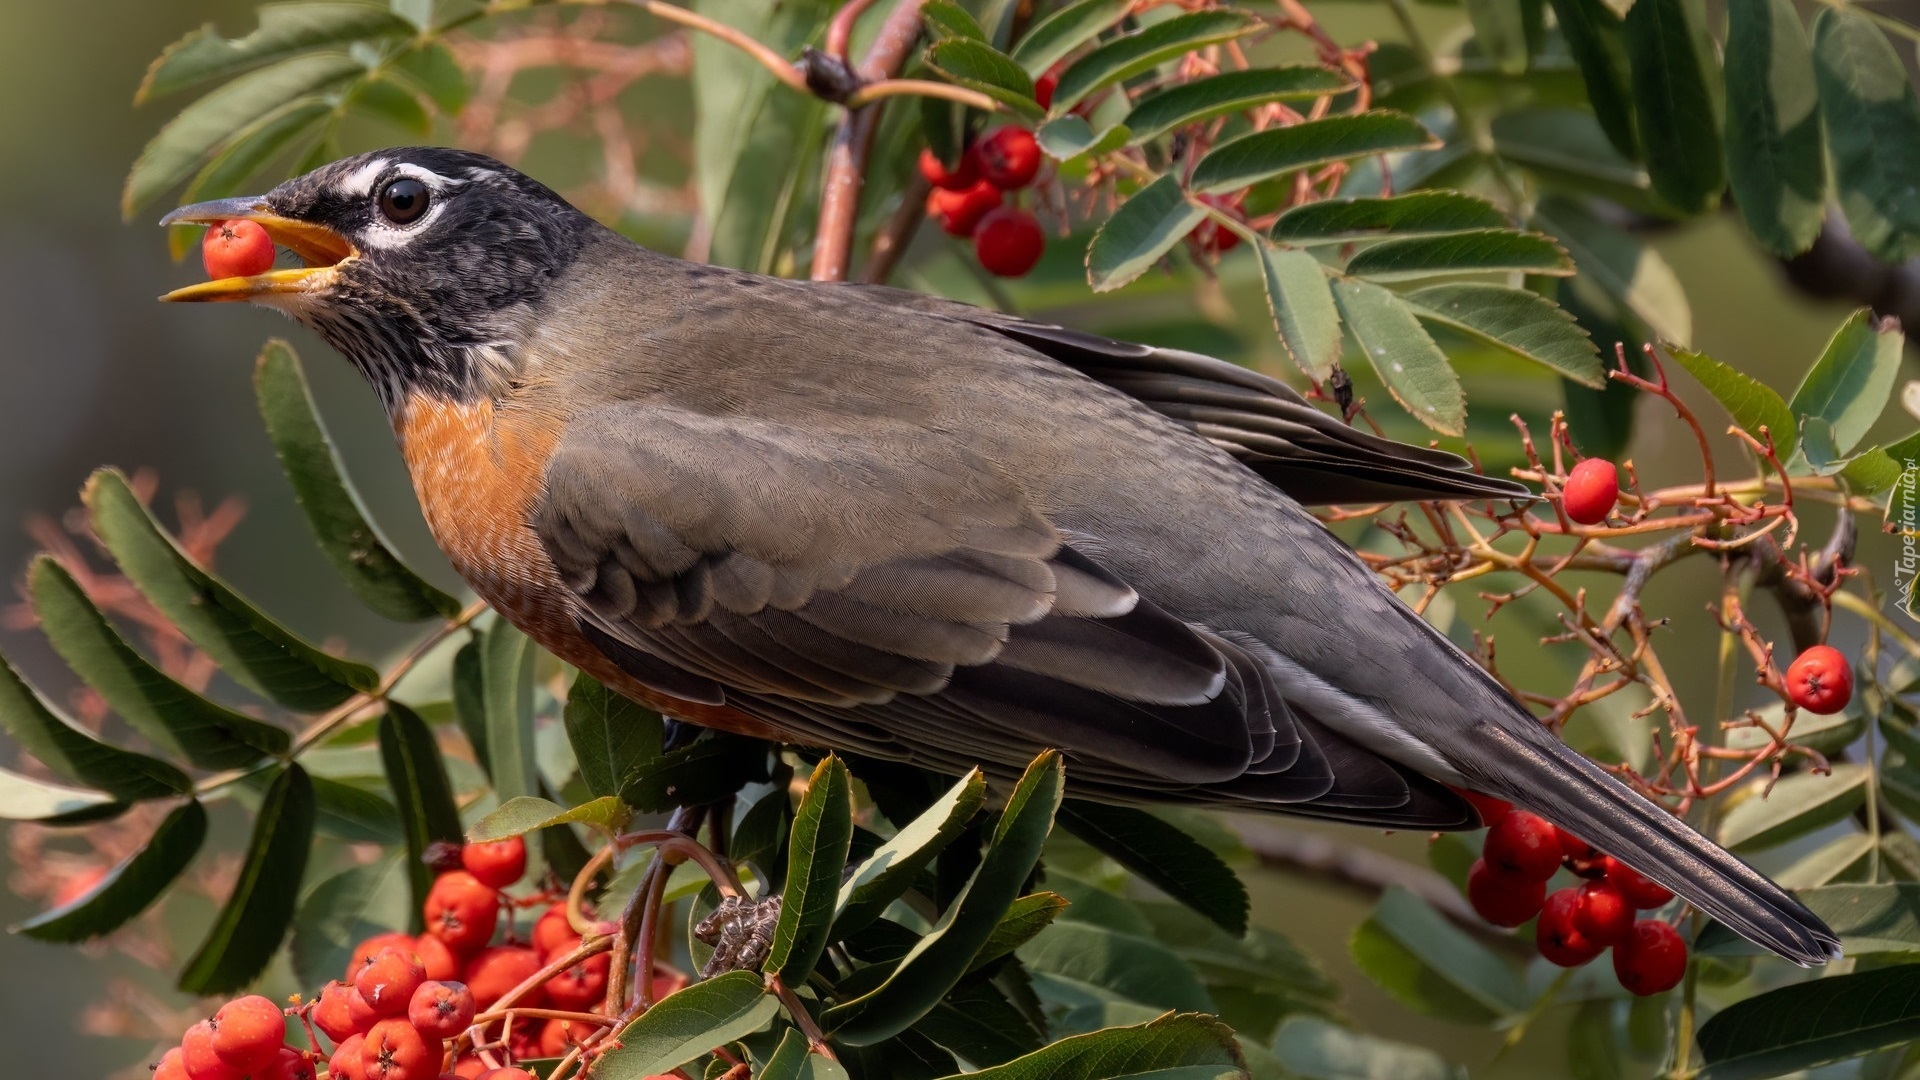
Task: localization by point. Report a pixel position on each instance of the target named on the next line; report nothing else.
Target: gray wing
(1310, 455)
(888, 592)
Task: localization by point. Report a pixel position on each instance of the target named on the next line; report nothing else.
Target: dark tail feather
(1562, 786)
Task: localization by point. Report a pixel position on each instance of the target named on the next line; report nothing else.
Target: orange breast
(478, 471)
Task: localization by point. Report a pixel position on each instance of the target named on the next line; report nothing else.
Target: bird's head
(425, 267)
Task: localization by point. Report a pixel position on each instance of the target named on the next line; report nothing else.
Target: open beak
(318, 246)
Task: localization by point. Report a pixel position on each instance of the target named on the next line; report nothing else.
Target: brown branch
(873, 92)
(782, 68)
(896, 235)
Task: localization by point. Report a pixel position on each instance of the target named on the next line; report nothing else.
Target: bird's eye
(403, 201)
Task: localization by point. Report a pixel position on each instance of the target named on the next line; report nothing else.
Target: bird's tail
(1561, 785)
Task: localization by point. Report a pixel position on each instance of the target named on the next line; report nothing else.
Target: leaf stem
(782, 68)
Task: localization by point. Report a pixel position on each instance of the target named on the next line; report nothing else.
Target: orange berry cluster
(1507, 886)
(967, 199)
(405, 1000)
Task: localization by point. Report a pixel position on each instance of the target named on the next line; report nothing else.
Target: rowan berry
(395, 1050)
(1009, 157)
(1490, 809)
(364, 952)
(507, 1074)
(199, 1058)
(248, 1032)
(1603, 914)
(389, 981)
(1503, 898)
(291, 1064)
(964, 174)
(1043, 88)
(333, 1014)
(470, 1067)
(1641, 891)
(462, 912)
(1820, 680)
(1213, 236)
(347, 1062)
(1556, 935)
(1523, 844)
(499, 969)
(551, 930)
(1572, 847)
(498, 863)
(581, 986)
(1651, 958)
(360, 1012)
(237, 248)
(170, 1066)
(1592, 489)
(436, 959)
(560, 1036)
(960, 211)
(441, 1010)
(1008, 242)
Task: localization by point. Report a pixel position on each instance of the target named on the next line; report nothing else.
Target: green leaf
(612, 735)
(1853, 379)
(944, 954)
(1145, 228)
(254, 920)
(1163, 855)
(1067, 137)
(1413, 368)
(978, 1022)
(1845, 859)
(1776, 157)
(1870, 919)
(816, 860)
(1518, 321)
(1499, 29)
(1420, 213)
(1178, 1046)
(431, 69)
(1674, 102)
(392, 102)
(1752, 403)
(1873, 132)
(344, 910)
(177, 151)
(210, 736)
(334, 510)
(979, 66)
(793, 1059)
(951, 20)
(1065, 30)
(506, 670)
(129, 888)
(1569, 151)
(1626, 269)
(23, 798)
(1131, 54)
(1229, 92)
(1023, 921)
(284, 29)
(1301, 303)
(1314, 1049)
(1413, 953)
(890, 871)
(1597, 41)
(1483, 251)
(1264, 155)
(352, 812)
(1136, 968)
(418, 779)
(74, 753)
(469, 699)
(1812, 1023)
(1594, 1051)
(524, 814)
(706, 772)
(686, 1025)
(1798, 805)
(250, 648)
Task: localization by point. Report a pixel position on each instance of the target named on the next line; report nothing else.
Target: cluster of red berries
(1507, 886)
(405, 999)
(967, 199)
(237, 248)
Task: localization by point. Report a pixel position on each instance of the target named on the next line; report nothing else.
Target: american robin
(864, 519)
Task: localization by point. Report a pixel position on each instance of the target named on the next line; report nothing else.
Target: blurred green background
(93, 371)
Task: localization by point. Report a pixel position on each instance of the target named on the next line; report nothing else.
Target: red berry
(331, 1013)
(389, 982)
(1213, 236)
(1490, 809)
(1556, 934)
(1044, 86)
(290, 1065)
(1572, 846)
(441, 1010)
(470, 1067)
(248, 1032)
(436, 959)
(1009, 157)
(1603, 914)
(960, 211)
(199, 1058)
(582, 986)
(170, 1066)
(509, 1074)
(1501, 898)
(499, 969)
(462, 912)
(1008, 242)
(347, 1062)
(1640, 890)
(498, 863)
(1523, 844)
(560, 1036)
(364, 952)
(395, 1050)
(237, 248)
(1820, 680)
(1650, 959)
(551, 930)
(962, 176)
(1593, 487)
(360, 1012)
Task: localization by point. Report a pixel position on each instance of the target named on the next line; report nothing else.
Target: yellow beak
(320, 247)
